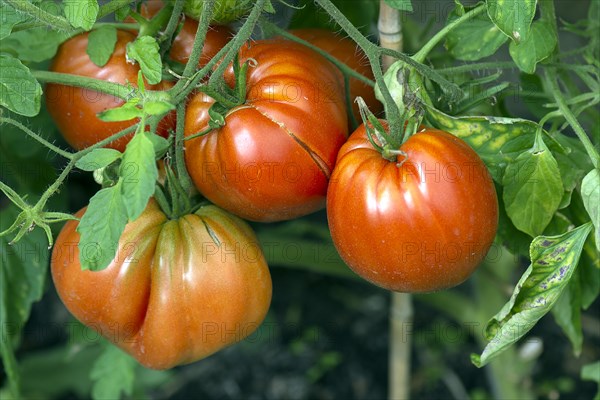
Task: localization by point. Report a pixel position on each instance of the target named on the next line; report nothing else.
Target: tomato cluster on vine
(274, 148)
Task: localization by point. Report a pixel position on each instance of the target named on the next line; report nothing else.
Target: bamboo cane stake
(390, 36)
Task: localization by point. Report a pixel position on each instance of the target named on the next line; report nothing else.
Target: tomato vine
(221, 129)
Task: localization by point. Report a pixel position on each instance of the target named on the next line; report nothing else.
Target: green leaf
(101, 44)
(145, 51)
(20, 92)
(46, 44)
(138, 173)
(553, 261)
(127, 111)
(513, 17)
(537, 47)
(498, 141)
(160, 144)
(98, 158)
(508, 235)
(591, 372)
(157, 107)
(50, 373)
(9, 17)
(567, 313)
(461, 45)
(23, 269)
(113, 373)
(402, 5)
(269, 7)
(573, 163)
(101, 227)
(532, 188)
(590, 193)
(590, 281)
(81, 13)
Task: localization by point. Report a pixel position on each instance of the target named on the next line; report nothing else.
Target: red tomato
(273, 158)
(348, 52)
(421, 224)
(177, 291)
(74, 109)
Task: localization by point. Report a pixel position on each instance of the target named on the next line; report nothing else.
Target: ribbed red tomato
(348, 52)
(421, 223)
(74, 109)
(273, 158)
(177, 291)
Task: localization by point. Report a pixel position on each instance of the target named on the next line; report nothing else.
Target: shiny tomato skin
(273, 158)
(348, 52)
(177, 291)
(74, 109)
(422, 226)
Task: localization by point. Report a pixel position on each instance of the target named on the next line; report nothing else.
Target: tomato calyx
(171, 197)
(150, 26)
(387, 143)
(227, 98)
(31, 216)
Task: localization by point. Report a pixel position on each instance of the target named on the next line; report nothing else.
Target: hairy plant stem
(552, 81)
(184, 177)
(111, 7)
(373, 53)
(35, 136)
(98, 85)
(173, 22)
(345, 69)
(55, 185)
(238, 41)
(207, 12)
(157, 22)
(477, 66)
(548, 13)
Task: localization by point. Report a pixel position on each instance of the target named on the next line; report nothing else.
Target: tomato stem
(373, 53)
(200, 38)
(188, 83)
(35, 136)
(114, 89)
(163, 203)
(182, 173)
(152, 26)
(552, 81)
(441, 34)
(171, 28)
(111, 7)
(238, 41)
(344, 68)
